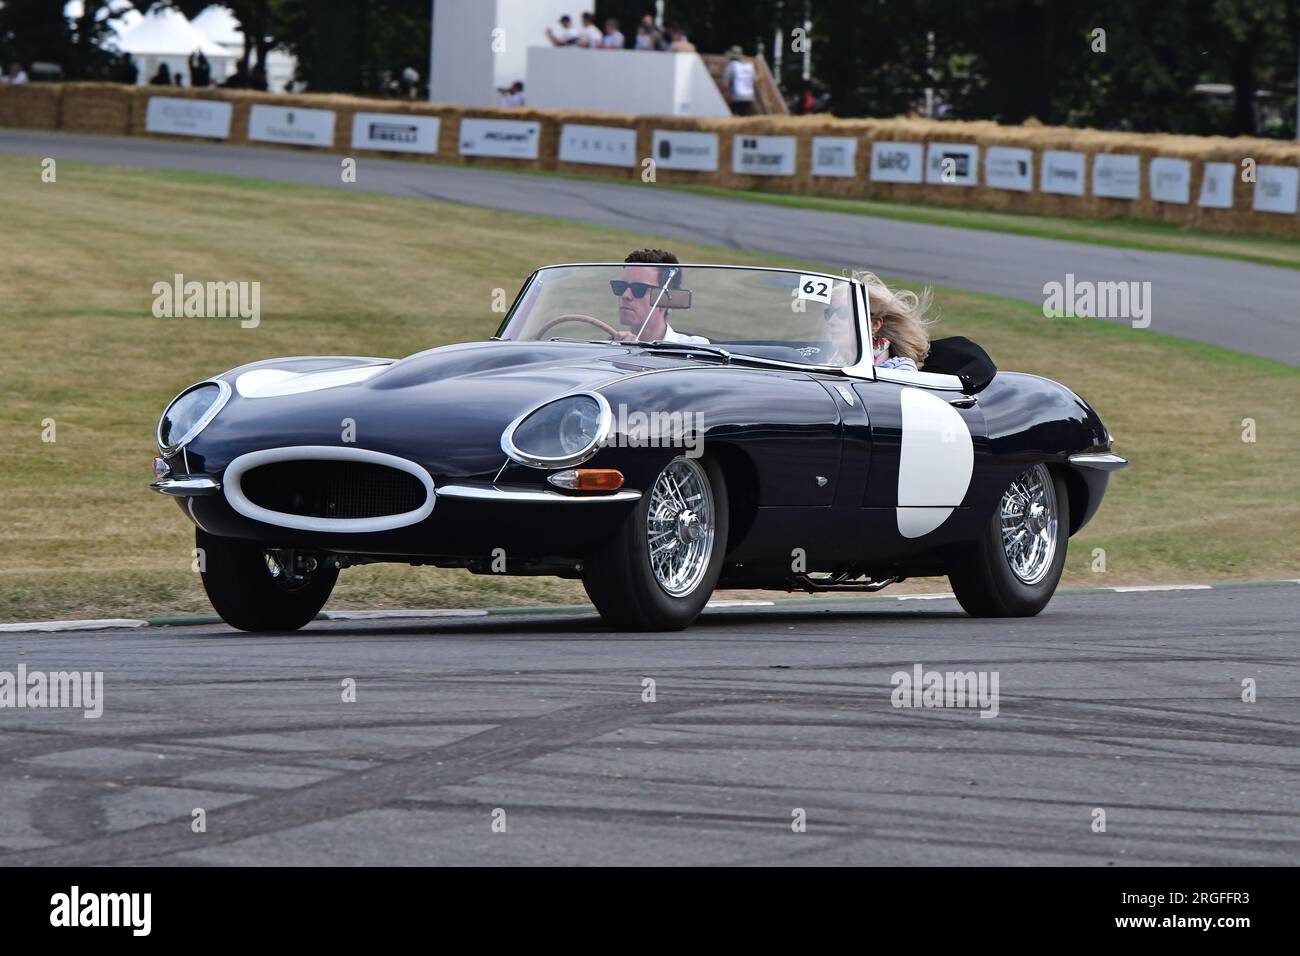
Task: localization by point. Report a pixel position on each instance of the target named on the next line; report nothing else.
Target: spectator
(739, 81)
(644, 39)
(163, 77)
(411, 80)
(178, 78)
(590, 36)
(16, 74)
(613, 39)
(680, 42)
(567, 35)
(513, 95)
(200, 70)
(239, 79)
(652, 30)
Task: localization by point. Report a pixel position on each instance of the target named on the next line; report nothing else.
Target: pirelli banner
(1236, 185)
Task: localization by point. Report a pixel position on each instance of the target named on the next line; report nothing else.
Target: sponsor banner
(1062, 172)
(834, 156)
(896, 162)
(512, 139)
(291, 124)
(1009, 167)
(1217, 182)
(679, 149)
(1170, 180)
(952, 164)
(763, 155)
(183, 117)
(1275, 189)
(1117, 175)
(597, 145)
(395, 132)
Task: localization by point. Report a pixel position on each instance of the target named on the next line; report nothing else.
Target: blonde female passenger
(898, 324)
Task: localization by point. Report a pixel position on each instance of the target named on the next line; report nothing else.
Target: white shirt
(612, 41)
(682, 337)
(591, 36)
(740, 79)
(567, 35)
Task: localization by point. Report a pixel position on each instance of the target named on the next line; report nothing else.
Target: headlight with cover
(189, 413)
(561, 433)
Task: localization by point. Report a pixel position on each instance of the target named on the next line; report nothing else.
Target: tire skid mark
(510, 743)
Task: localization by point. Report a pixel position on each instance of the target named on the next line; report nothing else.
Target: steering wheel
(577, 317)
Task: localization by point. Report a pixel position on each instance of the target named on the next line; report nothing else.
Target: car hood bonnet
(445, 407)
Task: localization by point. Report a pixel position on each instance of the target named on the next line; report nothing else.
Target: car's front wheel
(1013, 569)
(253, 590)
(658, 570)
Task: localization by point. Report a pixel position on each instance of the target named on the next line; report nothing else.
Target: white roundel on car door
(935, 464)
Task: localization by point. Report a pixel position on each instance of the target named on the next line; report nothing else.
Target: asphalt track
(1130, 703)
(1242, 306)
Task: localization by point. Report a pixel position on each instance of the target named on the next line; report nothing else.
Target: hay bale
(103, 108)
(31, 105)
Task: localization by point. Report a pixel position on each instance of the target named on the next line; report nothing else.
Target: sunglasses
(843, 312)
(639, 289)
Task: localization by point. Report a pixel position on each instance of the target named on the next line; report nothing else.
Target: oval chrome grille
(333, 489)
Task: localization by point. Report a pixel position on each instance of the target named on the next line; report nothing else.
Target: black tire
(982, 577)
(622, 584)
(244, 593)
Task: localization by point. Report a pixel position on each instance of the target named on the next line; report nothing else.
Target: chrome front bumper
(202, 485)
(187, 487)
(1100, 461)
(531, 496)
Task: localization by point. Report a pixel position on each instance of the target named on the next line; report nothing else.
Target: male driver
(644, 275)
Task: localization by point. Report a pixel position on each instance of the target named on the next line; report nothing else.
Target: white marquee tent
(164, 35)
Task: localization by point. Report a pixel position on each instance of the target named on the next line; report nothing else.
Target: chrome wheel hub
(688, 527)
(679, 527)
(1029, 524)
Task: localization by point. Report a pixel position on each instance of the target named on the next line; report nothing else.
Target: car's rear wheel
(1013, 570)
(253, 590)
(658, 570)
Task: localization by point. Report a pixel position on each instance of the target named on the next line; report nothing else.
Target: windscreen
(806, 318)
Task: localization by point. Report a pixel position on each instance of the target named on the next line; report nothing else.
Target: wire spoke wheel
(1029, 522)
(680, 526)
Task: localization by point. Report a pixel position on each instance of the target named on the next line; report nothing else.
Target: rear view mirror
(676, 299)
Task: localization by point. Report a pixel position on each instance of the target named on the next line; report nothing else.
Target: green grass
(350, 273)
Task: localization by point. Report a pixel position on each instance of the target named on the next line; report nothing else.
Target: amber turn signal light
(588, 479)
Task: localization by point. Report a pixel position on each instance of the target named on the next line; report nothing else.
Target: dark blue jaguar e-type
(656, 439)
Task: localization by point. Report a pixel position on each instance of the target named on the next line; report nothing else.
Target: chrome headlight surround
(218, 403)
(604, 425)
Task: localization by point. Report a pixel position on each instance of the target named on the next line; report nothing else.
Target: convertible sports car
(656, 431)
